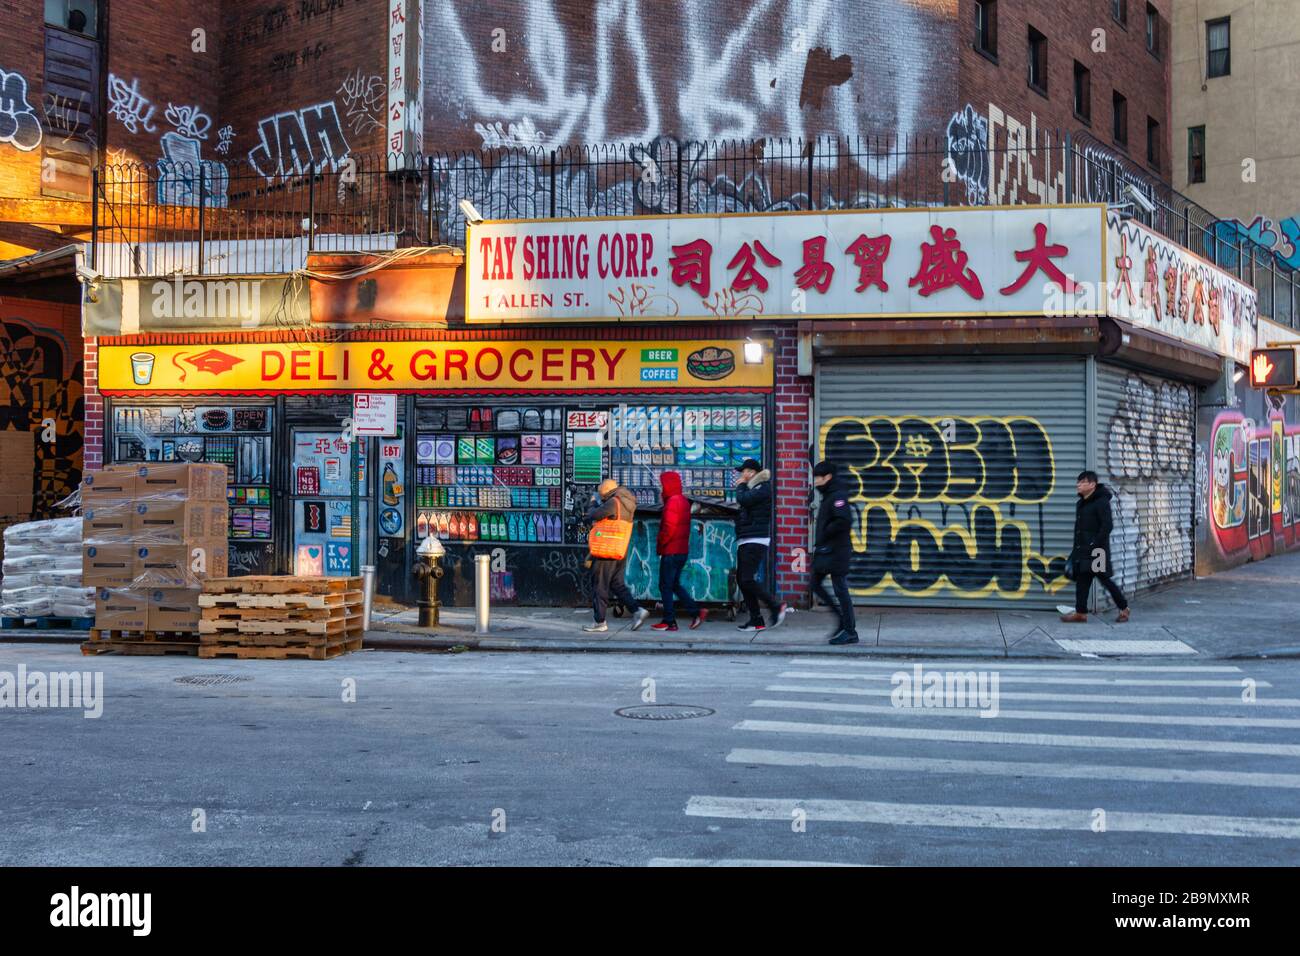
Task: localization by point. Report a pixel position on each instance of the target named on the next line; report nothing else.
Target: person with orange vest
(674, 546)
(608, 541)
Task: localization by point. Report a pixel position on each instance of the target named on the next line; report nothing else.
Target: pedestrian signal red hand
(1263, 368)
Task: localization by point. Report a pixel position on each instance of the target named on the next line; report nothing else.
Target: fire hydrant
(428, 570)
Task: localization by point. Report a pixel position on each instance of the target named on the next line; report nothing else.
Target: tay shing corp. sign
(983, 261)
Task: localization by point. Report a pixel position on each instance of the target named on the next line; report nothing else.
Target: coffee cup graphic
(142, 367)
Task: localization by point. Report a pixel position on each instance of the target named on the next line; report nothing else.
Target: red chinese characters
(816, 272)
(748, 274)
(943, 264)
(690, 264)
(1040, 258)
(869, 256)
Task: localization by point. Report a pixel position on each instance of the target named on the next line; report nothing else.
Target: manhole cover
(207, 680)
(663, 712)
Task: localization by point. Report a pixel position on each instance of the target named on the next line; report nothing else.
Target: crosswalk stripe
(838, 662)
(973, 711)
(1074, 698)
(1007, 768)
(1118, 646)
(1014, 679)
(682, 861)
(1036, 740)
(1015, 818)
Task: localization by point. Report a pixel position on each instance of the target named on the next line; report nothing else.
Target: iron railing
(218, 217)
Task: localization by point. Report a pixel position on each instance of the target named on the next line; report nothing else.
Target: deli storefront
(501, 438)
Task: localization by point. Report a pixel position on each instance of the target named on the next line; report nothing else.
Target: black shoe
(844, 637)
(751, 626)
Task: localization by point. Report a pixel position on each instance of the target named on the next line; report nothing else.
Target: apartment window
(1196, 154)
(986, 27)
(1038, 61)
(76, 16)
(1218, 58)
(1153, 30)
(1082, 92)
(1119, 10)
(1153, 143)
(1120, 105)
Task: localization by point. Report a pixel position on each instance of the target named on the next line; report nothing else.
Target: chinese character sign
(842, 263)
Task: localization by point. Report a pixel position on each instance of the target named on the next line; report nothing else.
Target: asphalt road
(1139, 762)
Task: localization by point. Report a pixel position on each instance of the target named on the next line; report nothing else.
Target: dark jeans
(843, 602)
(749, 558)
(671, 588)
(607, 578)
(1083, 585)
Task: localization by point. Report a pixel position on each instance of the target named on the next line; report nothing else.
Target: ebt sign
(832, 264)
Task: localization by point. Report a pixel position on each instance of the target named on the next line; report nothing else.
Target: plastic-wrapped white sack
(29, 561)
(59, 578)
(48, 602)
(56, 534)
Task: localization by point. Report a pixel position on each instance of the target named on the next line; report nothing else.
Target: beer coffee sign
(827, 264)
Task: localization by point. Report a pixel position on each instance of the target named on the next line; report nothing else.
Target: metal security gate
(1146, 442)
(961, 474)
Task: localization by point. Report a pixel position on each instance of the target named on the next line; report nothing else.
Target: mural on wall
(708, 565)
(1147, 453)
(41, 378)
(19, 125)
(1254, 485)
(297, 142)
(796, 68)
(1281, 238)
(962, 517)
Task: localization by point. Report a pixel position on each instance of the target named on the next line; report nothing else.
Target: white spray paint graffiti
(1149, 457)
(182, 159)
(19, 126)
(968, 137)
(129, 106)
(363, 100)
(63, 117)
(306, 140)
(738, 82)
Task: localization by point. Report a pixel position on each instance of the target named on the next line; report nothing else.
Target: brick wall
(791, 470)
(22, 52)
(94, 447)
(999, 91)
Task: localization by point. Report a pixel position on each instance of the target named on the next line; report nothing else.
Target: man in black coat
(833, 549)
(753, 537)
(1091, 555)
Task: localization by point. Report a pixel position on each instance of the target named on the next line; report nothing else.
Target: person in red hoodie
(673, 546)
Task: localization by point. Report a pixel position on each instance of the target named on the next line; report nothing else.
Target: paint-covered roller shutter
(961, 475)
(1146, 434)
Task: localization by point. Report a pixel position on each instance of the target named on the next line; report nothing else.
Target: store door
(1146, 428)
(961, 476)
(322, 504)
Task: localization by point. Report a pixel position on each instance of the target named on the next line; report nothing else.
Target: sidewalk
(1251, 611)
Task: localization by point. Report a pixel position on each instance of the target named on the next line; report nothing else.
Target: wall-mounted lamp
(753, 352)
(472, 215)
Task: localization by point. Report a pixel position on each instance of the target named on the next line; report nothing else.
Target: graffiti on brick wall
(777, 68)
(948, 506)
(1281, 238)
(968, 137)
(38, 382)
(298, 142)
(68, 119)
(129, 106)
(1255, 484)
(363, 99)
(1148, 458)
(707, 572)
(182, 160)
(1027, 162)
(19, 125)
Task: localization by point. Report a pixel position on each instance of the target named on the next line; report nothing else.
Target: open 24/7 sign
(825, 264)
(374, 413)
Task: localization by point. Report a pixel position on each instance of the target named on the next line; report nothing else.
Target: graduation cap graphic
(211, 360)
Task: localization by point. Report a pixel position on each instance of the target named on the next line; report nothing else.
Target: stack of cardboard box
(17, 476)
(151, 535)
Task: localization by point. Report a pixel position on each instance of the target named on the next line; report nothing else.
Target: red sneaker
(699, 618)
(663, 626)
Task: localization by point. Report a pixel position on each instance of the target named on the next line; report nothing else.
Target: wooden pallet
(131, 648)
(49, 623)
(112, 634)
(275, 613)
(276, 640)
(315, 652)
(280, 584)
(232, 599)
(280, 627)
